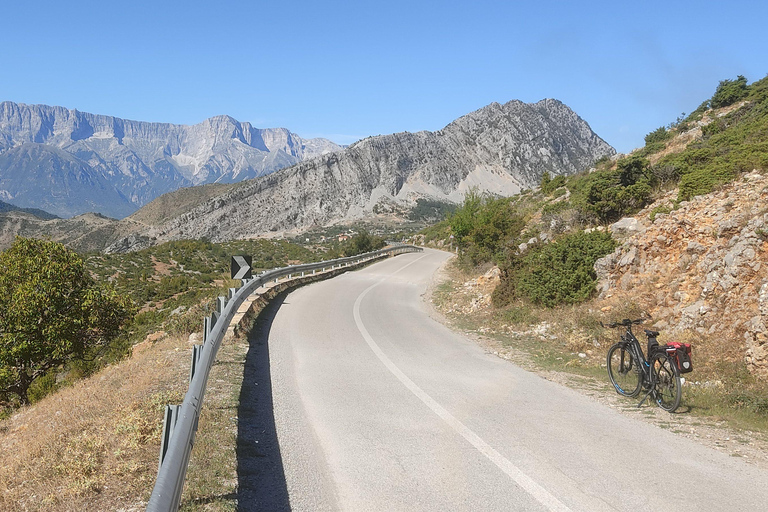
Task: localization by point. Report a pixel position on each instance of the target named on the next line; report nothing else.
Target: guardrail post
(197, 351)
(207, 326)
(169, 422)
(221, 303)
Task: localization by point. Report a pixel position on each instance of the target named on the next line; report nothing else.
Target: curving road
(378, 407)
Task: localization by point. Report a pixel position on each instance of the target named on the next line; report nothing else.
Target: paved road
(378, 407)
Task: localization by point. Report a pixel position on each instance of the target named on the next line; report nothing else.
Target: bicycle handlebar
(624, 323)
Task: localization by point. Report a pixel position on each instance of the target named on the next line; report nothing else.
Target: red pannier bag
(681, 354)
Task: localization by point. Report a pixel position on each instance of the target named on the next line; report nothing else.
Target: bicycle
(630, 371)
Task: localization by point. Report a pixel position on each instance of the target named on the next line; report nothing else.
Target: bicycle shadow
(261, 481)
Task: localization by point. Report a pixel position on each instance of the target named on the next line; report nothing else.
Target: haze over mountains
(69, 162)
(499, 148)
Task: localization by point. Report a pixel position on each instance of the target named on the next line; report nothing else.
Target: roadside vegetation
(101, 305)
(98, 380)
(545, 243)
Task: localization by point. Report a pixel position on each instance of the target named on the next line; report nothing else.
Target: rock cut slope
(701, 269)
(499, 148)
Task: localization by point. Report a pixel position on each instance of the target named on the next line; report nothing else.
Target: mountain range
(68, 162)
(499, 149)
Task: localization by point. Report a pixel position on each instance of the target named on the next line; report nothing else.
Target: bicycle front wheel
(623, 370)
(667, 385)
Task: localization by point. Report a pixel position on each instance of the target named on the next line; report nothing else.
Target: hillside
(40, 214)
(676, 232)
(69, 162)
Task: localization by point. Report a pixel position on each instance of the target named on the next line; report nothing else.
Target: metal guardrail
(180, 423)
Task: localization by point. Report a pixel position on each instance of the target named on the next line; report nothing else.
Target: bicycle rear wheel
(623, 370)
(667, 384)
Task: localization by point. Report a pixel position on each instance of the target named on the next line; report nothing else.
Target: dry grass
(95, 445)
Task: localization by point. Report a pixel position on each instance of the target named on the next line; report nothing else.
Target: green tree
(361, 243)
(464, 218)
(51, 312)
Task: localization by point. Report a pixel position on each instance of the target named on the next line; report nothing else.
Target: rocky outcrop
(500, 149)
(702, 268)
(69, 162)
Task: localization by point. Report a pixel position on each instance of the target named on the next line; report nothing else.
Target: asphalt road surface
(356, 400)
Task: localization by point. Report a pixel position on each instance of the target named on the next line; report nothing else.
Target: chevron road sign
(241, 267)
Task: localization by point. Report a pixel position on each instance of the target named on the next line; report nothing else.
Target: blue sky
(347, 70)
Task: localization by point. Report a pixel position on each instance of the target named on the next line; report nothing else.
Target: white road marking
(527, 483)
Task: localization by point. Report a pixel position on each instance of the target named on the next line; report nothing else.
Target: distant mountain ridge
(40, 214)
(499, 149)
(69, 162)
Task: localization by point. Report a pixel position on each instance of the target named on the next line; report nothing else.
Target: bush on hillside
(361, 243)
(550, 185)
(610, 194)
(558, 273)
(483, 226)
(660, 134)
(729, 92)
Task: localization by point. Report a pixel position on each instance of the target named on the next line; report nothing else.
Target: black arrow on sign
(240, 267)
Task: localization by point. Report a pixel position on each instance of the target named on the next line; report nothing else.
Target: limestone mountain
(499, 148)
(69, 162)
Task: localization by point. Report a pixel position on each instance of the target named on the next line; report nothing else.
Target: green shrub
(659, 210)
(610, 194)
(555, 208)
(550, 185)
(729, 92)
(42, 387)
(361, 243)
(483, 226)
(558, 273)
(658, 135)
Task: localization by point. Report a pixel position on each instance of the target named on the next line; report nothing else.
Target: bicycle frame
(636, 350)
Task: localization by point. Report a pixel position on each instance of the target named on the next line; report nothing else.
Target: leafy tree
(361, 243)
(463, 219)
(549, 184)
(483, 226)
(51, 312)
(611, 194)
